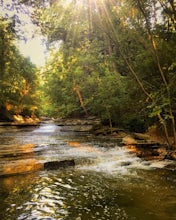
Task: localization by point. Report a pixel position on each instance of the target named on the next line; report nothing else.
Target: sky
(33, 47)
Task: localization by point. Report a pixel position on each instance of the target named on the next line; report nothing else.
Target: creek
(108, 181)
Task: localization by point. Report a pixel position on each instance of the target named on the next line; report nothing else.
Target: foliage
(17, 75)
(112, 59)
(116, 54)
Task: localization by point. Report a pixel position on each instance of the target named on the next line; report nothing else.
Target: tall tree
(127, 41)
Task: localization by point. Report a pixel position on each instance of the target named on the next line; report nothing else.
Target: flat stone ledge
(31, 165)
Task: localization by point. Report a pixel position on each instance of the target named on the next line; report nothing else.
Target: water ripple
(106, 183)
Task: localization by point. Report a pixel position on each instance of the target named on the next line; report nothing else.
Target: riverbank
(26, 149)
(150, 145)
(19, 120)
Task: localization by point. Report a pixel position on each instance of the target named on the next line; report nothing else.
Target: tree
(109, 51)
(161, 99)
(17, 76)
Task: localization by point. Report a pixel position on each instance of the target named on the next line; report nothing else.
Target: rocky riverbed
(149, 145)
(21, 158)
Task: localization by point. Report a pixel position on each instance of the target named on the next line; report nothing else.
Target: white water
(117, 160)
(107, 183)
(52, 144)
(113, 160)
(46, 128)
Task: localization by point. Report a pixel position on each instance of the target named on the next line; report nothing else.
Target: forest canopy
(112, 59)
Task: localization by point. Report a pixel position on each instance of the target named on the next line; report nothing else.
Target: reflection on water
(73, 194)
(106, 184)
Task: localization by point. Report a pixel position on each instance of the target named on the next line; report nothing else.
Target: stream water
(107, 183)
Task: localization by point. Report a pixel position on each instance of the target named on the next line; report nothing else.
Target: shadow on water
(106, 183)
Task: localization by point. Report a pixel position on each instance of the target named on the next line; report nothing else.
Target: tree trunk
(76, 89)
(154, 47)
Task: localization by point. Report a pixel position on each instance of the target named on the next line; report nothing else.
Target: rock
(171, 155)
(77, 128)
(99, 130)
(125, 163)
(128, 140)
(171, 166)
(147, 153)
(78, 125)
(141, 136)
(22, 151)
(31, 165)
(20, 166)
(19, 120)
(75, 121)
(24, 121)
(156, 135)
(54, 165)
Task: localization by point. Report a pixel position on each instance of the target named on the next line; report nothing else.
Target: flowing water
(107, 183)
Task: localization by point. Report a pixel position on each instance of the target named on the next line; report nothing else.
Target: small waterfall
(46, 128)
(114, 160)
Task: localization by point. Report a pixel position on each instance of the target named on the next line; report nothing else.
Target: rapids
(108, 182)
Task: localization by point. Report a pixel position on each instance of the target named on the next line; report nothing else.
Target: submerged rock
(54, 165)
